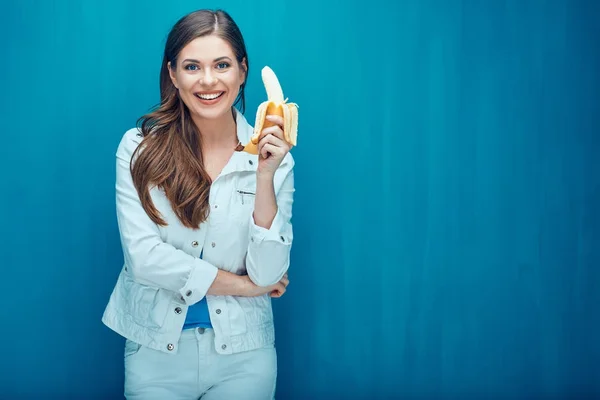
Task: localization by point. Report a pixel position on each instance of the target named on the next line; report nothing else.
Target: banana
(275, 105)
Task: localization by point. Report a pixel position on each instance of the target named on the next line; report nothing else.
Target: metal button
(282, 239)
(250, 161)
(224, 346)
(170, 347)
(194, 244)
(218, 311)
(201, 330)
(216, 206)
(182, 299)
(213, 244)
(188, 293)
(177, 310)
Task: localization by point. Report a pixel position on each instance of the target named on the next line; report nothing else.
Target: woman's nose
(208, 79)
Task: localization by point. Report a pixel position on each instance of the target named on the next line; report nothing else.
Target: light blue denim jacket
(163, 275)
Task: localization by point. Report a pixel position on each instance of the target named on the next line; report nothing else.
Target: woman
(205, 229)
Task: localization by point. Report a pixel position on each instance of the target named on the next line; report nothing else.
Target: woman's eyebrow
(215, 60)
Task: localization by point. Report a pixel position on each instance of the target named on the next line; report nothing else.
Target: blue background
(447, 213)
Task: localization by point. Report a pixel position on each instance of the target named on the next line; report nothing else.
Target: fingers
(279, 290)
(276, 119)
(276, 131)
(267, 150)
(275, 138)
(272, 145)
(281, 286)
(285, 282)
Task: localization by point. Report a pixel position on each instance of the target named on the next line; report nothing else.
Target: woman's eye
(222, 65)
(191, 67)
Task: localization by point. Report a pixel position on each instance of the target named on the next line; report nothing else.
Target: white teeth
(209, 96)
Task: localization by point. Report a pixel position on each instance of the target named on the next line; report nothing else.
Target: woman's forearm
(228, 284)
(265, 205)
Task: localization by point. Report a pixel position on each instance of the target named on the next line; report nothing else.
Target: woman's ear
(244, 70)
(172, 75)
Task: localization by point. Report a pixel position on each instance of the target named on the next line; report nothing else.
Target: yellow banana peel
(275, 105)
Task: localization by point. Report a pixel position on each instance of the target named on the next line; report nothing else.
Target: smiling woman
(205, 229)
(208, 76)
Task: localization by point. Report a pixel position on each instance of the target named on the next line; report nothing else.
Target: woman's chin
(211, 113)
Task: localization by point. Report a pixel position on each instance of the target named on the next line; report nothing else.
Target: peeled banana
(275, 105)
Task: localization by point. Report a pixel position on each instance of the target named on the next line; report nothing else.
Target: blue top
(197, 315)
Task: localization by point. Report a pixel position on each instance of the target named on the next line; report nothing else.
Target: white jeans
(198, 371)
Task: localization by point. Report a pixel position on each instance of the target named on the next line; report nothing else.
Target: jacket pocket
(131, 348)
(243, 202)
(147, 306)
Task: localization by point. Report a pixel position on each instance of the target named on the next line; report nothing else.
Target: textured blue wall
(447, 214)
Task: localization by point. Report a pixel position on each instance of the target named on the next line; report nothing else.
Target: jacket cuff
(198, 283)
(275, 233)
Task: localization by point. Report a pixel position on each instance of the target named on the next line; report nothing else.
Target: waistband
(196, 333)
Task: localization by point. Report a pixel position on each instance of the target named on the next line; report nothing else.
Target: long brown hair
(172, 155)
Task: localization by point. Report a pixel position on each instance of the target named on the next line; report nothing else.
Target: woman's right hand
(276, 290)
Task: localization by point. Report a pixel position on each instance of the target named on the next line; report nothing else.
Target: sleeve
(151, 261)
(268, 256)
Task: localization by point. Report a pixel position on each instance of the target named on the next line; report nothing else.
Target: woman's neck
(218, 133)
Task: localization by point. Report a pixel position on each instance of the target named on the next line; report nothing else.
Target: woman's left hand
(272, 147)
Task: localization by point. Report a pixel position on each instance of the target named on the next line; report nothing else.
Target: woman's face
(208, 77)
